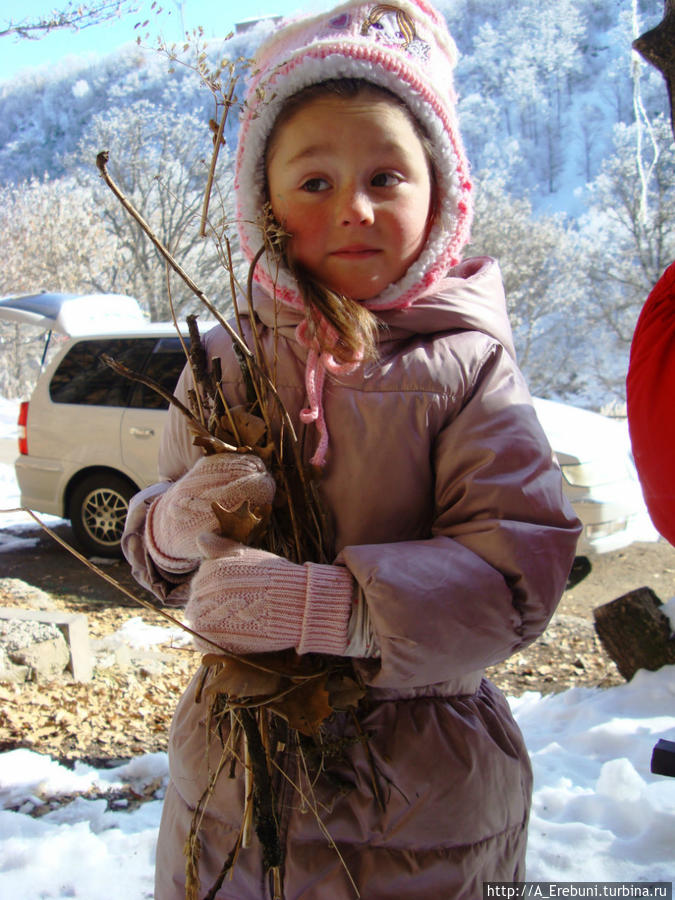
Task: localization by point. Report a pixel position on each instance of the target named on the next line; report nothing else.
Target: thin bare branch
(217, 143)
(247, 660)
(112, 581)
(194, 422)
(101, 165)
(75, 18)
(312, 806)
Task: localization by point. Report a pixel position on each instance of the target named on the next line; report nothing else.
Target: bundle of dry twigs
(264, 695)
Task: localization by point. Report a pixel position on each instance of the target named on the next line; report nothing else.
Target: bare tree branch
(73, 17)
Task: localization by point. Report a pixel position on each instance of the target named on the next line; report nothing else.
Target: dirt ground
(126, 708)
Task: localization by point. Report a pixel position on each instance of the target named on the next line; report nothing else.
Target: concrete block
(10, 672)
(45, 659)
(74, 628)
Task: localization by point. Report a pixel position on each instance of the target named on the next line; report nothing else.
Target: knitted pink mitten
(250, 601)
(177, 517)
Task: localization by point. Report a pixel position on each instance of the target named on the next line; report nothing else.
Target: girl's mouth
(357, 251)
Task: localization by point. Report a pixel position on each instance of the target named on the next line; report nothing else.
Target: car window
(164, 365)
(83, 377)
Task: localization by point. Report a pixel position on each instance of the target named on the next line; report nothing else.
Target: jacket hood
(471, 297)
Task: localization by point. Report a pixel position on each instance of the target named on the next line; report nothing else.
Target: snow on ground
(80, 849)
(140, 635)
(598, 812)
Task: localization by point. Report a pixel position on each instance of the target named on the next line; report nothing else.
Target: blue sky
(217, 19)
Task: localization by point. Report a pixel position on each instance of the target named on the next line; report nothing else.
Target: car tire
(98, 511)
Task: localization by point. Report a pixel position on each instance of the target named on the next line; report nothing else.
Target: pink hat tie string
(318, 363)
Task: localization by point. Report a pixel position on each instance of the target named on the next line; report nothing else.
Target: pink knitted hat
(404, 47)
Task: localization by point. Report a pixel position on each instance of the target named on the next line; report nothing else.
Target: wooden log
(635, 632)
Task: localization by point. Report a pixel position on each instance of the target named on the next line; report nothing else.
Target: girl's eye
(314, 185)
(385, 179)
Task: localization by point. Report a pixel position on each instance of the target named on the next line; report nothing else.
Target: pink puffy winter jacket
(449, 512)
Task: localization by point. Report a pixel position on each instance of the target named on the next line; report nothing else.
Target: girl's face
(349, 180)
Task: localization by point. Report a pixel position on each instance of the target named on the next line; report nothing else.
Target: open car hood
(72, 314)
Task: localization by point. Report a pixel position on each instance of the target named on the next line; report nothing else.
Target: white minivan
(89, 438)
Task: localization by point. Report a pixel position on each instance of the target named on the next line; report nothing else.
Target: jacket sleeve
(487, 581)
(177, 454)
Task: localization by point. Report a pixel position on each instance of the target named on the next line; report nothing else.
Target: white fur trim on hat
(404, 47)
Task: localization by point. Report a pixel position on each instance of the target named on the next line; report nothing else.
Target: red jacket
(650, 388)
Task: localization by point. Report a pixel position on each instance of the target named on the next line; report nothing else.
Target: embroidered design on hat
(341, 23)
(394, 27)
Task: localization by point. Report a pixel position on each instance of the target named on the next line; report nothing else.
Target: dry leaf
(212, 444)
(265, 453)
(282, 687)
(243, 524)
(249, 431)
(305, 708)
(239, 680)
(344, 692)
(251, 428)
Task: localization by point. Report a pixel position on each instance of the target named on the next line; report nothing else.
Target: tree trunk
(635, 633)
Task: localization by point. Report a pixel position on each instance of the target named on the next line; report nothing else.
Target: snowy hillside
(45, 113)
(541, 86)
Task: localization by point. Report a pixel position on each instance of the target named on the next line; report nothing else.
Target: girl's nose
(355, 208)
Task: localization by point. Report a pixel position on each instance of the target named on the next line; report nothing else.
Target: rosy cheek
(305, 231)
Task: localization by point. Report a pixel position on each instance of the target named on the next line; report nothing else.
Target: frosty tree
(157, 156)
(630, 240)
(52, 239)
(537, 255)
(528, 62)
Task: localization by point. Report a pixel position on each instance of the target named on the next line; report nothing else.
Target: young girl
(453, 540)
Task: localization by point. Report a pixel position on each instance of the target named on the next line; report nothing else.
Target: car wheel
(98, 511)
